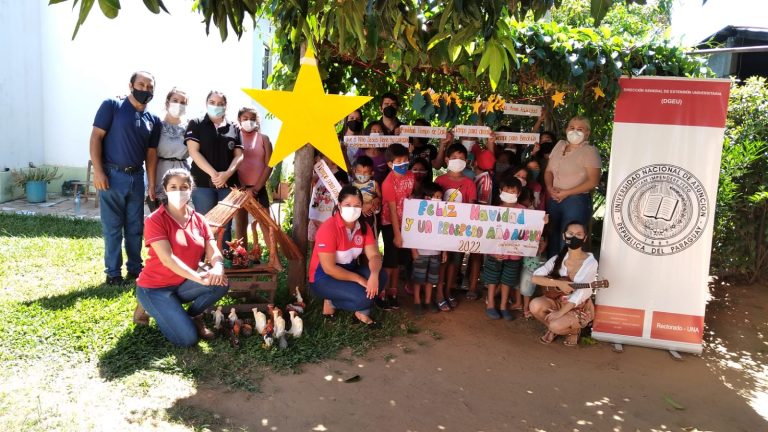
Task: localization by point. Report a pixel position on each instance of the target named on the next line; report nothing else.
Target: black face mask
(355, 126)
(142, 96)
(390, 111)
(574, 242)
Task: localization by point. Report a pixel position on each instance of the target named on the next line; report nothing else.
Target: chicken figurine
(218, 317)
(260, 320)
(298, 305)
(267, 334)
(297, 324)
(232, 317)
(279, 323)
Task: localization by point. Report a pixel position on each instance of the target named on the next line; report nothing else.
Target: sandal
(571, 340)
(444, 306)
(453, 302)
(527, 315)
(140, 316)
(547, 338)
(471, 295)
(329, 317)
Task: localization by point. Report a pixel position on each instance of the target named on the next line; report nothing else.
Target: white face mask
(509, 198)
(468, 144)
(215, 111)
(178, 199)
(350, 214)
(249, 125)
(456, 165)
(575, 137)
(176, 109)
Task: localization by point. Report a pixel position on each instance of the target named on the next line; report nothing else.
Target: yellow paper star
(598, 92)
(476, 107)
(557, 98)
(309, 115)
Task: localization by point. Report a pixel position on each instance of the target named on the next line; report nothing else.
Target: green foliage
(21, 177)
(740, 241)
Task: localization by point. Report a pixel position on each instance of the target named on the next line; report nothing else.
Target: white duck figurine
(279, 324)
(260, 320)
(297, 324)
(218, 317)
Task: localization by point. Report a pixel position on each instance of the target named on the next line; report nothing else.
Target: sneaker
(453, 302)
(382, 303)
(131, 277)
(394, 303)
(115, 281)
(492, 314)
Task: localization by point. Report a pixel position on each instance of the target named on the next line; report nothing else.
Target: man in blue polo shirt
(123, 139)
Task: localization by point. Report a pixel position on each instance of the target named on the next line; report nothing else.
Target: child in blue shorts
(426, 263)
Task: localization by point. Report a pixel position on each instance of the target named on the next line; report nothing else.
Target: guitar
(554, 292)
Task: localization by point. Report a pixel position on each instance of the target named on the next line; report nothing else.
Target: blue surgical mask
(216, 111)
(400, 168)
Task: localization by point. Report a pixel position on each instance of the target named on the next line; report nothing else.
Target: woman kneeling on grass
(178, 237)
(334, 272)
(571, 312)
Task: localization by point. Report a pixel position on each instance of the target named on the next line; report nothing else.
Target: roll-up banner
(660, 211)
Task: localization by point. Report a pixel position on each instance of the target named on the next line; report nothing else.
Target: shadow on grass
(68, 300)
(13, 225)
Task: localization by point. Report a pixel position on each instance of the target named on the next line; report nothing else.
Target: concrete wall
(693, 21)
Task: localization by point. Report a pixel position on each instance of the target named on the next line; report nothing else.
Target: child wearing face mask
(426, 263)
(422, 170)
(484, 184)
(321, 202)
(457, 188)
(364, 182)
(503, 271)
(396, 188)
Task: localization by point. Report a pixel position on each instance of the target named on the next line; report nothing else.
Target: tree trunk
(302, 171)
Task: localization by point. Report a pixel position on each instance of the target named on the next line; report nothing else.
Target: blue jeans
(165, 306)
(574, 208)
(122, 216)
(346, 295)
(204, 199)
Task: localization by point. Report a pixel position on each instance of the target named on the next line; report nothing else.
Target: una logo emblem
(660, 209)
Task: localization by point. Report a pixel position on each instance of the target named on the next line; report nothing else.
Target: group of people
(555, 176)
(346, 268)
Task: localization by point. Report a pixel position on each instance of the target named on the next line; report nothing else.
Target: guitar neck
(578, 286)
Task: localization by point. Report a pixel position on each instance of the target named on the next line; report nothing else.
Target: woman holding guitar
(563, 309)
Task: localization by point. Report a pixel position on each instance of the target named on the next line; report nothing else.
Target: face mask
(573, 242)
(509, 198)
(534, 174)
(176, 109)
(389, 111)
(522, 181)
(249, 125)
(355, 126)
(546, 147)
(362, 178)
(468, 144)
(216, 111)
(350, 214)
(575, 137)
(400, 168)
(374, 134)
(142, 96)
(178, 199)
(501, 167)
(419, 174)
(456, 165)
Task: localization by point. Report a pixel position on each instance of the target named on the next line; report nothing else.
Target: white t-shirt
(585, 274)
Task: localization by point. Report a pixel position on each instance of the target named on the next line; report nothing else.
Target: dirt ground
(465, 373)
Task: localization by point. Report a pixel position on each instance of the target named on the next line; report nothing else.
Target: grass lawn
(73, 360)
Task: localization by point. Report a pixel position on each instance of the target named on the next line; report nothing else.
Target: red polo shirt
(334, 237)
(187, 243)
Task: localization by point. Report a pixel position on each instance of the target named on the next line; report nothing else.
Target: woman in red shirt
(334, 271)
(178, 237)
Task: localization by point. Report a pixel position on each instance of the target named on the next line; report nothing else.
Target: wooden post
(303, 162)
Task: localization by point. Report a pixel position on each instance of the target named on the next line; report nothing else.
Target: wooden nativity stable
(257, 283)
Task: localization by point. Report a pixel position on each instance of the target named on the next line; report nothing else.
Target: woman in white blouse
(574, 310)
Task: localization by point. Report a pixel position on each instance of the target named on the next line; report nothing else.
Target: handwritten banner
(325, 175)
(471, 131)
(472, 228)
(523, 110)
(375, 141)
(423, 131)
(516, 138)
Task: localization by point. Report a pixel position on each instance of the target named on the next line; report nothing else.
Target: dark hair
(426, 189)
(213, 92)
(364, 161)
(345, 126)
(137, 73)
(456, 148)
(526, 194)
(390, 95)
(346, 191)
(509, 181)
(421, 160)
(555, 273)
(246, 109)
(176, 172)
(395, 151)
(174, 91)
(550, 135)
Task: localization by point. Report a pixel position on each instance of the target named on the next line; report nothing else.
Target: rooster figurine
(267, 334)
(218, 317)
(232, 317)
(298, 305)
(279, 324)
(260, 320)
(297, 324)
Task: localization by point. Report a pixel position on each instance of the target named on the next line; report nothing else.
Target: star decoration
(476, 107)
(557, 98)
(598, 92)
(309, 115)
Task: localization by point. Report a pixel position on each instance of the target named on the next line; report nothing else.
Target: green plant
(21, 177)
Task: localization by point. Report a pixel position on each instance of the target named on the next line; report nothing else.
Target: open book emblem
(660, 207)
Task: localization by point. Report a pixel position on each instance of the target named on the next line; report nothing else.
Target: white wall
(693, 22)
(20, 76)
(58, 96)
